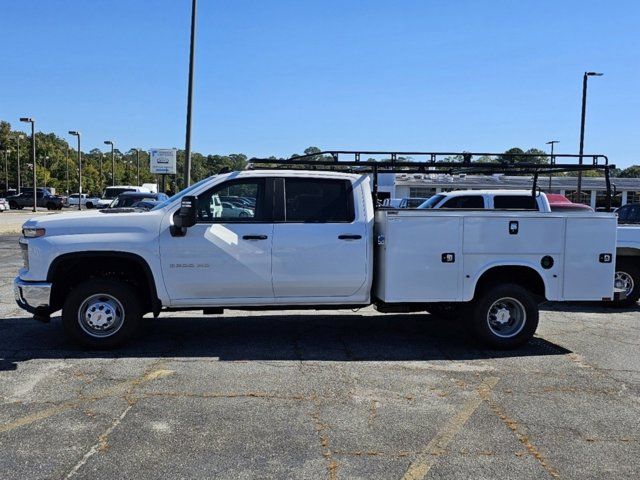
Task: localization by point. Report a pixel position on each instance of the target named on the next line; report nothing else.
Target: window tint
(318, 200)
(211, 208)
(468, 201)
(519, 202)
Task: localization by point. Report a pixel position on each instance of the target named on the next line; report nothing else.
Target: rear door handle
(349, 237)
(254, 237)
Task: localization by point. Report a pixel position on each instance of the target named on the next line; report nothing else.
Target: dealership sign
(163, 160)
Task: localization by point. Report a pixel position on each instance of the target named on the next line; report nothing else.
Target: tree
(630, 172)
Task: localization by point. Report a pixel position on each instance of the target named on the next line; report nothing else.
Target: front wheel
(504, 317)
(627, 278)
(101, 314)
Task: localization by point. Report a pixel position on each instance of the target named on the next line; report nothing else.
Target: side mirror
(185, 217)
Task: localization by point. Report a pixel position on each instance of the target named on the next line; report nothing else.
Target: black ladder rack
(439, 162)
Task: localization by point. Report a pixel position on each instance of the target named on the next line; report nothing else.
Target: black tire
(99, 292)
(505, 301)
(627, 270)
(89, 204)
(13, 205)
(51, 206)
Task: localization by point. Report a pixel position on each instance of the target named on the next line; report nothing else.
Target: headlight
(32, 232)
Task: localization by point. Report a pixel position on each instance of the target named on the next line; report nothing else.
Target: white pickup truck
(312, 240)
(627, 272)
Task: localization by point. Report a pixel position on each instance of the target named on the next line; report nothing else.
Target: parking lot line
(420, 467)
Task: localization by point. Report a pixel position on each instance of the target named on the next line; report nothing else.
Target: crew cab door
(224, 258)
(319, 241)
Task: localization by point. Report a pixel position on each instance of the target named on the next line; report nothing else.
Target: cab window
(317, 200)
(233, 202)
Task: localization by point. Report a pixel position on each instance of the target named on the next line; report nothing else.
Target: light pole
(582, 120)
(187, 149)
(77, 134)
(113, 162)
(6, 170)
(551, 160)
(18, 173)
(33, 156)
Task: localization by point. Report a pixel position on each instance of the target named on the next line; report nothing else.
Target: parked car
(44, 198)
(127, 199)
(627, 271)
(86, 200)
(4, 205)
(111, 193)
(392, 202)
(411, 202)
(560, 203)
(489, 200)
(629, 213)
(146, 204)
(316, 240)
(234, 211)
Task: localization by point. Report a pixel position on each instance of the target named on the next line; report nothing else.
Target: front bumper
(34, 297)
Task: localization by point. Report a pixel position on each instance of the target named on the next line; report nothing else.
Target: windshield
(112, 192)
(182, 193)
(432, 202)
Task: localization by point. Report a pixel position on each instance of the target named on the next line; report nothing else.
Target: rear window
(318, 200)
(515, 202)
(465, 201)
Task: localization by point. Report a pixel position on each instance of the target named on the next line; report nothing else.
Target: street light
(187, 149)
(33, 157)
(66, 162)
(552, 160)
(113, 163)
(77, 134)
(582, 120)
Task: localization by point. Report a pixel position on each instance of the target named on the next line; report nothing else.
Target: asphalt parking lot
(336, 395)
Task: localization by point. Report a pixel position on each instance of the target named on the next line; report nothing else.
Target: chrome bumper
(32, 296)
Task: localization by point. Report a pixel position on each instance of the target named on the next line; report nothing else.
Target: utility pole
(582, 122)
(113, 162)
(187, 149)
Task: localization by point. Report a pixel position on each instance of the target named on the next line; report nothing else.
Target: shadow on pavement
(335, 337)
(587, 307)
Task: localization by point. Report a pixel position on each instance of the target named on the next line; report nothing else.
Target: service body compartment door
(422, 258)
(590, 258)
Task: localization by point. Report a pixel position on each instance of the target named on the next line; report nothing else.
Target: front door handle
(349, 237)
(254, 237)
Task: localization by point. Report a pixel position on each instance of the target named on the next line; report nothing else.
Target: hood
(95, 221)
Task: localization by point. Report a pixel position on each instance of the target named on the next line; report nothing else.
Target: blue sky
(273, 77)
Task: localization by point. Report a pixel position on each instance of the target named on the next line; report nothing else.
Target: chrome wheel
(101, 315)
(506, 317)
(624, 281)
